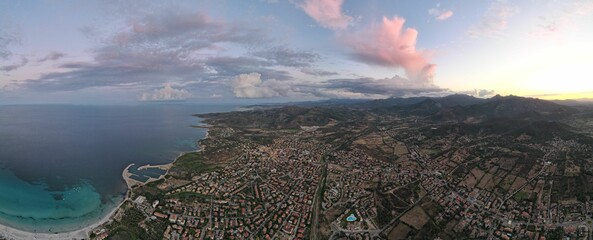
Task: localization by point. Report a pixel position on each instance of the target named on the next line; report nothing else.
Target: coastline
(13, 233)
(7, 232)
(132, 183)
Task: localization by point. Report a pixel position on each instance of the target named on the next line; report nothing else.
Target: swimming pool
(351, 218)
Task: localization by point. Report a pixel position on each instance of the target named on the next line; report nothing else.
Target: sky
(110, 52)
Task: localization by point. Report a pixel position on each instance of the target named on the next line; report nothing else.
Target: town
(372, 177)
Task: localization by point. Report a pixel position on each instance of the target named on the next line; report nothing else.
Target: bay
(61, 165)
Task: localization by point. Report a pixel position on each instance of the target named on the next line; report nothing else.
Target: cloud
(203, 54)
(112, 69)
(345, 94)
(284, 56)
(179, 45)
(166, 93)
(494, 20)
(52, 56)
(583, 7)
(317, 72)
(251, 86)
(189, 48)
(482, 93)
(186, 31)
(215, 95)
(389, 44)
(554, 26)
(6, 40)
(328, 13)
(486, 93)
(223, 67)
(15, 66)
(375, 88)
(440, 14)
(563, 19)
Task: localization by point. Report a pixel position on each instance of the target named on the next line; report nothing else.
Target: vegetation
(194, 162)
(188, 196)
(129, 227)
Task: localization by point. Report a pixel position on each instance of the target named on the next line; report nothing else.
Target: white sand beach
(16, 234)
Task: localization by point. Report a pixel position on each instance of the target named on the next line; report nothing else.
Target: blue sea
(61, 165)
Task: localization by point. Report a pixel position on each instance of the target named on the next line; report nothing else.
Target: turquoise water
(49, 211)
(351, 218)
(61, 165)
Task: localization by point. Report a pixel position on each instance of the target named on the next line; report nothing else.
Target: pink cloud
(445, 15)
(328, 13)
(494, 20)
(439, 14)
(389, 44)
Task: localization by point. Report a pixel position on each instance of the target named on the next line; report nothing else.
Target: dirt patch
(333, 213)
(399, 232)
(489, 181)
(371, 139)
(507, 182)
(485, 181)
(507, 163)
(459, 156)
(477, 173)
(416, 218)
(519, 181)
(469, 181)
(401, 149)
(431, 208)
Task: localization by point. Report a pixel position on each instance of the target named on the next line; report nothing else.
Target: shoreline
(131, 183)
(8, 232)
(14, 233)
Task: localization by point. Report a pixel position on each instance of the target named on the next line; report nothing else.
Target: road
(317, 202)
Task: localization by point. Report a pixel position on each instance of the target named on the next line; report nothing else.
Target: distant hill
(285, 117)
(389, 102)
(518, 107)
(448, 101)
(574, 102)
(461, 107)
(459, 100)
(468, 108)
(458, 107)
(426, 107)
